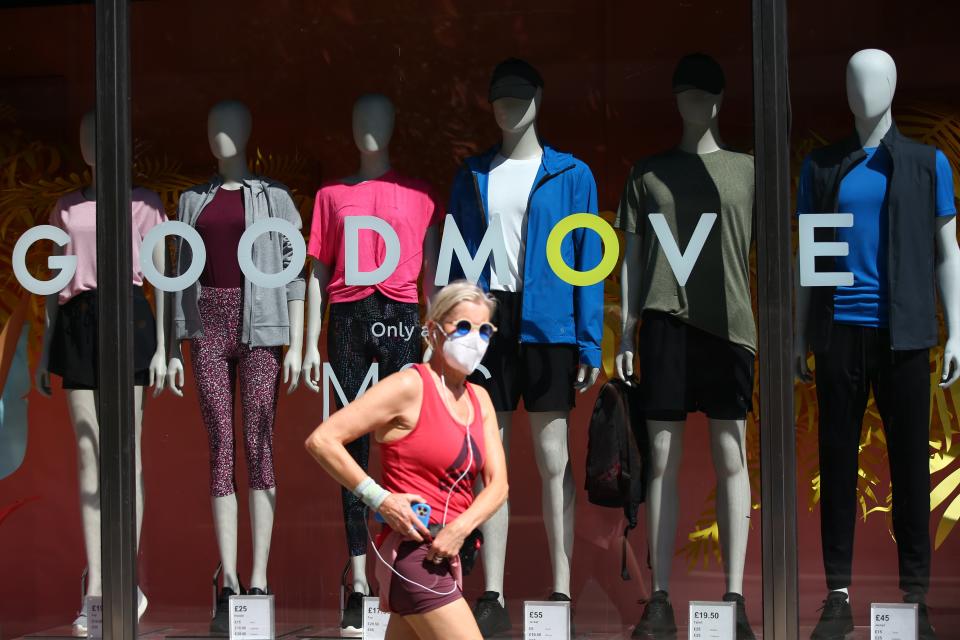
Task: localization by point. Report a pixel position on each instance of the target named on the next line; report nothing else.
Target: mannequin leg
(663, 500)
(82, 405)
(733, 496)
(225, 526)
(494, 549)
(259, 370)
(556, 474)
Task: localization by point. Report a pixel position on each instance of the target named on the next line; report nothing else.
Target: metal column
(115, 402)
(774, 276)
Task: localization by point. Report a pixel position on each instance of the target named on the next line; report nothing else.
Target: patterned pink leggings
(218, 356)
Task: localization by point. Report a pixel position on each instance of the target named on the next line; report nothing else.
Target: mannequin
(876, 333)
(530, 186)
(682, 319)
(75, 212)
(227, 348)
(353, 343)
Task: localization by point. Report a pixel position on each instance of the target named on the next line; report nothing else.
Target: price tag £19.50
(713, 620)
(93, 605)
(896, 621)
(251, 617)
(546, 620)
(375, 621)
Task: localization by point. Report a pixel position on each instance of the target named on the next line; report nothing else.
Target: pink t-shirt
(406, 204)
(78, 217)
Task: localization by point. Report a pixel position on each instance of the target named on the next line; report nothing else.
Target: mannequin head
(373, 119)
(699, 107)
(88, 138)
(514, 115)
(228, 129)
(871, 83)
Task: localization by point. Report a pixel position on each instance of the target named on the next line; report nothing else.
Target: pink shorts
(406, 598)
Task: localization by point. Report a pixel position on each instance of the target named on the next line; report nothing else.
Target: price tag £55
(713, 620)
(546, 620)
(897, 621)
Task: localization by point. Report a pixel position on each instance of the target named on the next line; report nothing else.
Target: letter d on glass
(351, 237)
(809, 249)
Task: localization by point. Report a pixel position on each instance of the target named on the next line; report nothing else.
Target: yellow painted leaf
(947, 522)
(944, 489)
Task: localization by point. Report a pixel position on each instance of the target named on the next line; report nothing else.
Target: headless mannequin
(228, 130)
(373, 122)
(698, 110)
(82, 404)
(516, 118)
(871, 83)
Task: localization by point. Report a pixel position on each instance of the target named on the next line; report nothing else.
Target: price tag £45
(713, 620)
(897, 621)
(251, 617)
(375, 621)
(546, 620)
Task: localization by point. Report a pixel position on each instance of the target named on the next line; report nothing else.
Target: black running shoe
(562, 597)
(744, 631)
(257, 591)
(926, 630)
(836, 621)
(657, 622)
(221, 619)
(351, 624)
(492, 617)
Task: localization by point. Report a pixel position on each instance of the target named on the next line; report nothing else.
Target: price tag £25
(546, 620)
(375, 621)
(896, 621)
(93, 605)
(251, 617)
(713, 620)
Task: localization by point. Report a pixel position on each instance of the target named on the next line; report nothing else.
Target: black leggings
(379, 329)
(860, 358)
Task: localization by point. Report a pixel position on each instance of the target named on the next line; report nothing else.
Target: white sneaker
(141, 604)
(80, 624)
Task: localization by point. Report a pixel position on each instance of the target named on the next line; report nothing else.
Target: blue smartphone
(420, 509)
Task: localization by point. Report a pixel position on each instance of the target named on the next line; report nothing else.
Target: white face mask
(464, 353)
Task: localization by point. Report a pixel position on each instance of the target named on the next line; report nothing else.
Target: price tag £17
(713, 620)
(896, 621)
(546, 620)
(252, 618)
(375, 621)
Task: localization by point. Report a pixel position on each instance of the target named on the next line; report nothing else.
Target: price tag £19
(251, 617)
(896, 621)
(546, 620)
(93, 605)
(713, 620)
(375, 621)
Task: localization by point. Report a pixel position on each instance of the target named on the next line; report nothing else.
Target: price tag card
(897, 621)
(251, 617)
(374, 620)
(546, 620)
(713, 620)
(93, 605)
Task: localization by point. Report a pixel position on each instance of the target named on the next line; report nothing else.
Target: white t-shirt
(508, 191)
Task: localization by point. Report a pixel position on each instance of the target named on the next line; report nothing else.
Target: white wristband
(371, 493)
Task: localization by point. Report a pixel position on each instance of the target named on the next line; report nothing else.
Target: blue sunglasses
(463, 327)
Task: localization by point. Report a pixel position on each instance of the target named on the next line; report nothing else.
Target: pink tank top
(432, 456)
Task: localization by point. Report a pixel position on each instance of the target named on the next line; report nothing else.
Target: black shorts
(685, 369)
(73, 347)
(542, 374)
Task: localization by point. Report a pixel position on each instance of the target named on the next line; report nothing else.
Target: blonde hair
(445, 300)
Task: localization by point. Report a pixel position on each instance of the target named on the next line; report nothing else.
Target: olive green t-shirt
(682, 186)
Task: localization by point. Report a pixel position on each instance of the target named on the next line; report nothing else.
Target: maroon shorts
(408, 599)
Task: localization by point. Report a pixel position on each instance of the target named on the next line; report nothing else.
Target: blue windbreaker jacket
(553, 311)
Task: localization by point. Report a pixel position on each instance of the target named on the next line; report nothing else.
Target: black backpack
(617, 449)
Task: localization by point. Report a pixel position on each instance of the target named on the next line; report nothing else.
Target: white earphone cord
(446, 505)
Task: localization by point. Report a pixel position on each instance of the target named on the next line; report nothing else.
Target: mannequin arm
(293, 361)
(42, 377)
(316, 303)
(801, 341)
(948, 278)
(630, 273)
(431, 249)
(158, 364)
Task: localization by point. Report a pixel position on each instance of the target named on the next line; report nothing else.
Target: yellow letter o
(611, 249)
